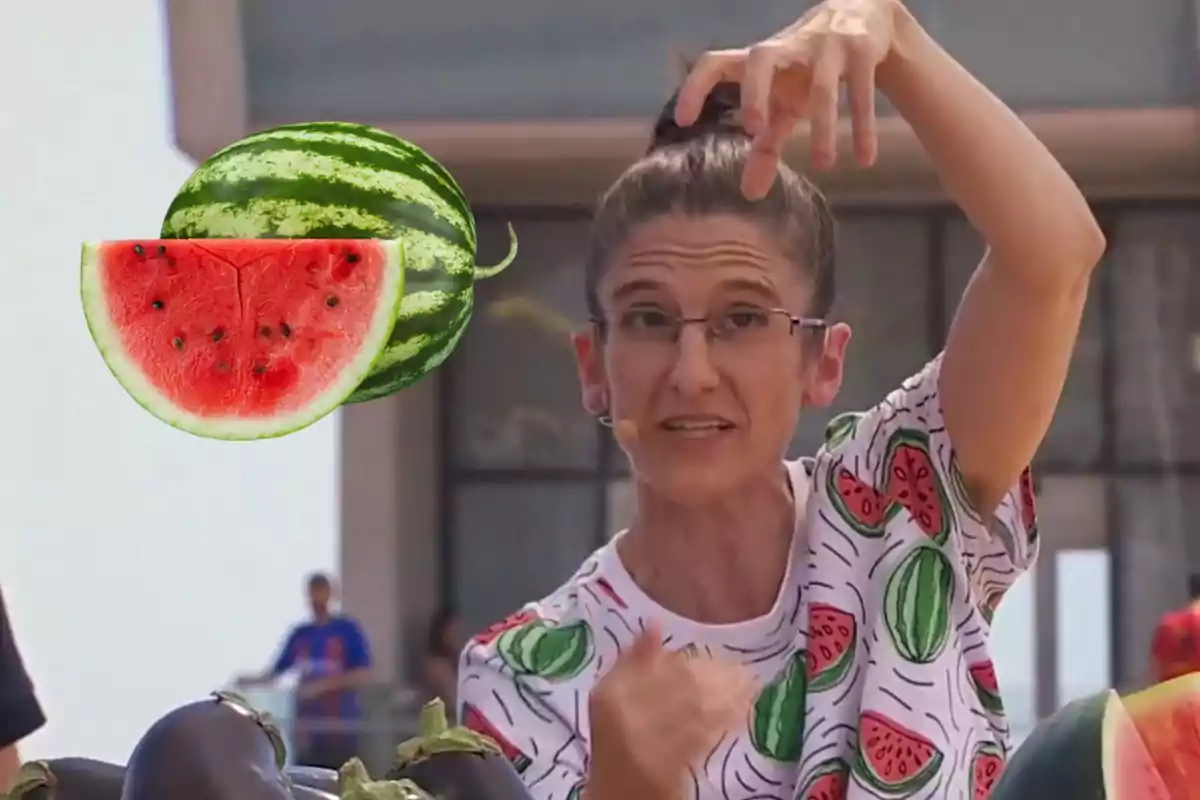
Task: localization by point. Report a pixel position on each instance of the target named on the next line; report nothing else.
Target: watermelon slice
(912, 480)
(987, 688)
(829, 780)
(832, 640)
(241, 339)
(862, 507)
(1167, 717)
(891, 760)
(987, 762)
(473, 719)
(1090, 748)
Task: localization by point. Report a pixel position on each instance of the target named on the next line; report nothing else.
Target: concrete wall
(525, 59)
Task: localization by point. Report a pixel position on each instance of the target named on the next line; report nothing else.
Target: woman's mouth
(696, 427)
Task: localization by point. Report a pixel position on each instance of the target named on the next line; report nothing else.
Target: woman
(20, 713)
(845, 598)
(439, 668)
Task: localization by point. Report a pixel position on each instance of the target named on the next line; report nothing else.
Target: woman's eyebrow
(634, 286)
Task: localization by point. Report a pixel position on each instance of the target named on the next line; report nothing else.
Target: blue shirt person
(331, 657)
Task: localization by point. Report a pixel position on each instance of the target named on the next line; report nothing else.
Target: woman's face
(712, 405)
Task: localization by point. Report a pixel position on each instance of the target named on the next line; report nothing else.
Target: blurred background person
(20, 712)
(1176, 647)
(439, 668)
(332, 658)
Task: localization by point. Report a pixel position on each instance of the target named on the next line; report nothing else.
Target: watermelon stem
(486, 272)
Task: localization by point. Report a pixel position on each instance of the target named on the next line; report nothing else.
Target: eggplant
(355, 784)
(68, 779)
(319, 778)
(456, 761)
(216, 749)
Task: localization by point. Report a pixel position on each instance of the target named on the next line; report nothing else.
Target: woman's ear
(589, 361)
(825, 370)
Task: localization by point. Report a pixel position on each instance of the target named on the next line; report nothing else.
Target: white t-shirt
(877, 682)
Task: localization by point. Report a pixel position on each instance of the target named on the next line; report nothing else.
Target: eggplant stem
(433, 719)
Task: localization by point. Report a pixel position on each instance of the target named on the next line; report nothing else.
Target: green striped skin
(550, 652)
(335, 180)
(777, 721)
(916, 604)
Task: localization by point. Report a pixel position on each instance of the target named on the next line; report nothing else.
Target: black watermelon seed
(137, 250)
(259, 369)
(222, 366)
(177, 342)
(157, 305)
(264, 332)
(286, 330)
(332, 301)
(218, 334)
(162, 249)
(352, 258)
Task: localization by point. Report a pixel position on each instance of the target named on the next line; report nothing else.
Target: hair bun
(720, 115)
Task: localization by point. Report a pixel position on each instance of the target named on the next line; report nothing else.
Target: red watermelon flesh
(829, 781)
(987, 687)
(474, 719)
(1167, 720)
(893, 759)
(866, 509)
(986, 765)
(913, 483)
(832, 638)
(241, 339)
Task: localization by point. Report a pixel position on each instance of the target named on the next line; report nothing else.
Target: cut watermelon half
(241, 339)
(1090, 748)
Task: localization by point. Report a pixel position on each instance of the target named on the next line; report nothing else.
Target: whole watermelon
(338, 180)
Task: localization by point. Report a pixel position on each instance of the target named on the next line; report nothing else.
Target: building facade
(486, 484)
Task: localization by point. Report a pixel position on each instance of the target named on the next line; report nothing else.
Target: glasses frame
(711, 334)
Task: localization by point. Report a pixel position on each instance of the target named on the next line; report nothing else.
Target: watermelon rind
(108, 341)
(919, 441)
(866, 774)
(340, 180)
(1077, 753)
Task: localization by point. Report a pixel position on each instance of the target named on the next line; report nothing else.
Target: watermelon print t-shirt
(874, 664)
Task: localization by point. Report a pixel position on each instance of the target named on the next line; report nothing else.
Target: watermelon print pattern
(876, 680)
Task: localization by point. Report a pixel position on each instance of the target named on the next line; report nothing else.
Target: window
(621, 506)
(1076, 434)
(882, 292)
(1083, 624)
(1158, 541)
(514, 543)
(1156, 271)
(516, 401)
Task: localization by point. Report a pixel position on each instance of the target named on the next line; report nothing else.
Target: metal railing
(389, 716)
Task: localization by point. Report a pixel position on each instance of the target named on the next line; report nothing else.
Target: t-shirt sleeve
(20, 712)
(536, 727)
(903, 446)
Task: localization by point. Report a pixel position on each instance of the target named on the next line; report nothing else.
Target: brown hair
(698, 170)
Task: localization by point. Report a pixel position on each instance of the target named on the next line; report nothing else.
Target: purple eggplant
(216, 749)
(355, 784)
(68, 779)
(456, 762)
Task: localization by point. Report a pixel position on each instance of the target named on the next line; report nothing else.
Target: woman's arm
(1010, 346)
(20, 713)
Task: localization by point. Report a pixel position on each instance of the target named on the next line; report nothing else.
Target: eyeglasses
(737, 326)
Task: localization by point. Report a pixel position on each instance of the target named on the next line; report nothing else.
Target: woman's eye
(644, 318)
(743, 318)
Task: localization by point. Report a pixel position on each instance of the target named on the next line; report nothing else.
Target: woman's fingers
(860, 90)
(762, 166)
(827, 73)
(711, 68)
(758, 79)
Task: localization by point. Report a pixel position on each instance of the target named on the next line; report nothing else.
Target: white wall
(142, 566)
